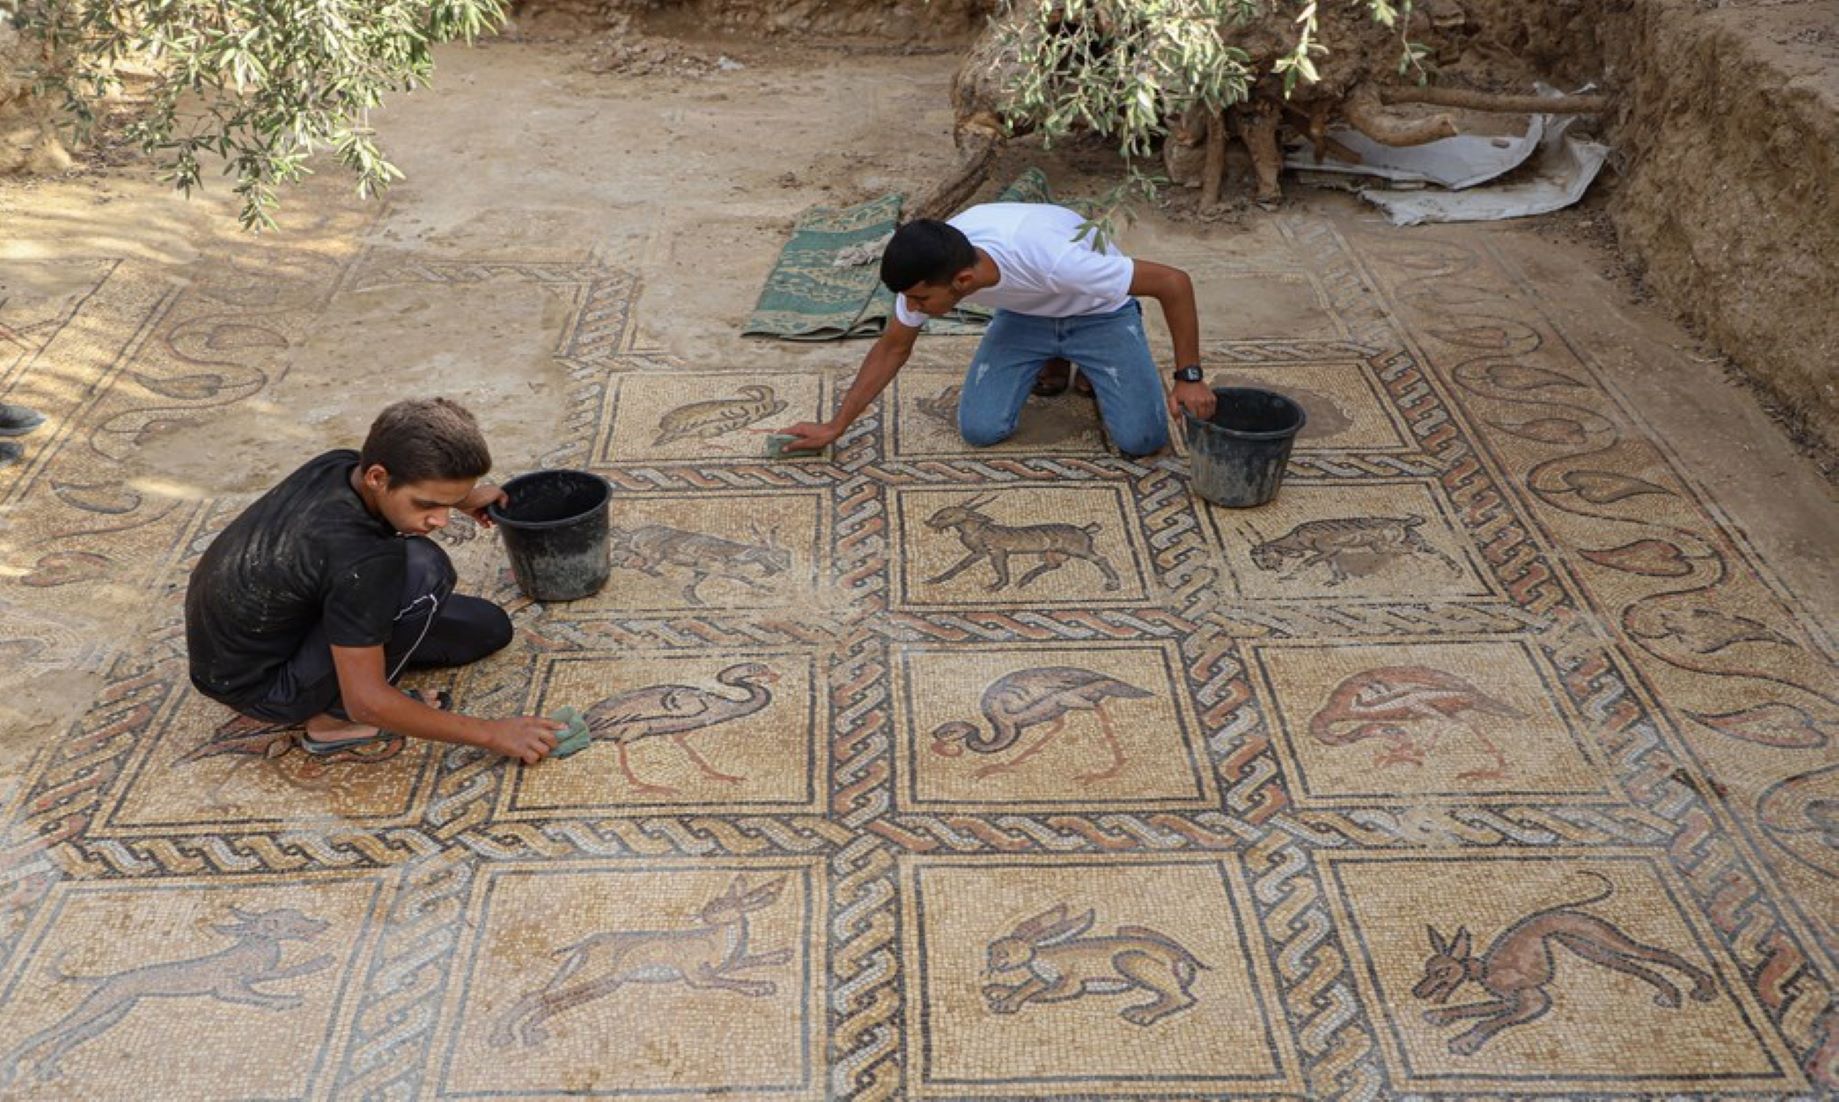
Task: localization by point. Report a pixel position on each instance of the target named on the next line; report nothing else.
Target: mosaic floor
(1488, 761)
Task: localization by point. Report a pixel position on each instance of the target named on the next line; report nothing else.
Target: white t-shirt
(1043, 270)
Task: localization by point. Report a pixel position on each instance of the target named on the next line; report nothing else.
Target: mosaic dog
(651, 546)
(228, 975)
(1332, 541)
(707, 957)
(1517, 967)
(1060, 963)
(984, 538)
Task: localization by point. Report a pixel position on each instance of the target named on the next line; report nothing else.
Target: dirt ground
(570, 222)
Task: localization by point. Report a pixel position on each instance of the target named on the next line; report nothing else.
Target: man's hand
(483, 495)
(527, 738)
(1196, 398)
(812, 437)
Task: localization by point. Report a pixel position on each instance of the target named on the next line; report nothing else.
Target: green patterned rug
(827, 286)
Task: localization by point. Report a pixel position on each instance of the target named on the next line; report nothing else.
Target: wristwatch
(1190, 374)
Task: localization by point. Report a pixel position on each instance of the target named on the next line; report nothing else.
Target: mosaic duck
(676, 712)
(707, 420)
(1376, 701)
(1029, 698)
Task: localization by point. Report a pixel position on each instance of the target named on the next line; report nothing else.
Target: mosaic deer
(228, 975)
(708, 957)
(985, 538)
(1517, 967)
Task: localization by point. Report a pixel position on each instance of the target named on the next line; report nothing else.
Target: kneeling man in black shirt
(312, 602)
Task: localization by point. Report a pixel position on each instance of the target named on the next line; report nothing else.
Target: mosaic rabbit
(1061, 964)
(705, 957)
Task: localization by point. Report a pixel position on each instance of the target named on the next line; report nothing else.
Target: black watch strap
(1191, 373)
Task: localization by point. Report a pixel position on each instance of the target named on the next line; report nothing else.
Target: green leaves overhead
(261, 84)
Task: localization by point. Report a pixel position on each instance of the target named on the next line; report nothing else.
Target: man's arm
(1175, 291)
(372, 701)
(889, 354)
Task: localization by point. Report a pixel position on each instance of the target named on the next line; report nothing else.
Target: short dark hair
(426, 439)
(925, 250)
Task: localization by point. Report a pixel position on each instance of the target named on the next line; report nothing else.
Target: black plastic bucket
(1238, 455)
(555, 531)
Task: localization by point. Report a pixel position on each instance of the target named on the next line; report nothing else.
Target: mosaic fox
(228, 975)
(702, 958)
(1518, 966)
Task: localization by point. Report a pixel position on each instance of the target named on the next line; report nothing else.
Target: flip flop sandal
(323, 747)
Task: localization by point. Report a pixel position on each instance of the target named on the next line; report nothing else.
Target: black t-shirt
(305, 553)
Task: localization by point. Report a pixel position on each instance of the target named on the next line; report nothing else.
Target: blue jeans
(1110, 349)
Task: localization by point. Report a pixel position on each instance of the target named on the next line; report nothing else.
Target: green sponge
(576, 738)
(775, 448)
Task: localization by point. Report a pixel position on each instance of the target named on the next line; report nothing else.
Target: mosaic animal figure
(1373, 704)
(984, 538)
(229, 975)
(1517, 967)
(709, 956)
(651, 546)
(718, 417)
(942, 406)
(1052, 960)
(676, 712)
(1330, 542)
(1029, 698)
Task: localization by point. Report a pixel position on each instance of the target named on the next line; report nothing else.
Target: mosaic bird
(942, 406)
(1029, 698)
(676, 712)
(707, 420)
(1375, 701)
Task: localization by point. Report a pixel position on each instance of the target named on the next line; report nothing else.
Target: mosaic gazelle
(710, 956)
(1053, 959)
(228, 975)
(987, 539)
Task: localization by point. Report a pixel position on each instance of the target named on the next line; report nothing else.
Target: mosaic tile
(1490, 665)
(1377, 541)
(1047, 727)
(1047, 976)
(649, 979)
(1046, 545)
(1549, 973)
(1365, 721)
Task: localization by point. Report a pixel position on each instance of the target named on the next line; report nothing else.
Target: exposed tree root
(1495, 101)
(1256, 125)
(1362, 111)
(1214, 169)
(976, 155)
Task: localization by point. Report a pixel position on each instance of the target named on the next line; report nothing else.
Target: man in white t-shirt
(1056, 298)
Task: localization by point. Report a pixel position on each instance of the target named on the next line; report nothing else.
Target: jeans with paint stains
(1110, 349)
